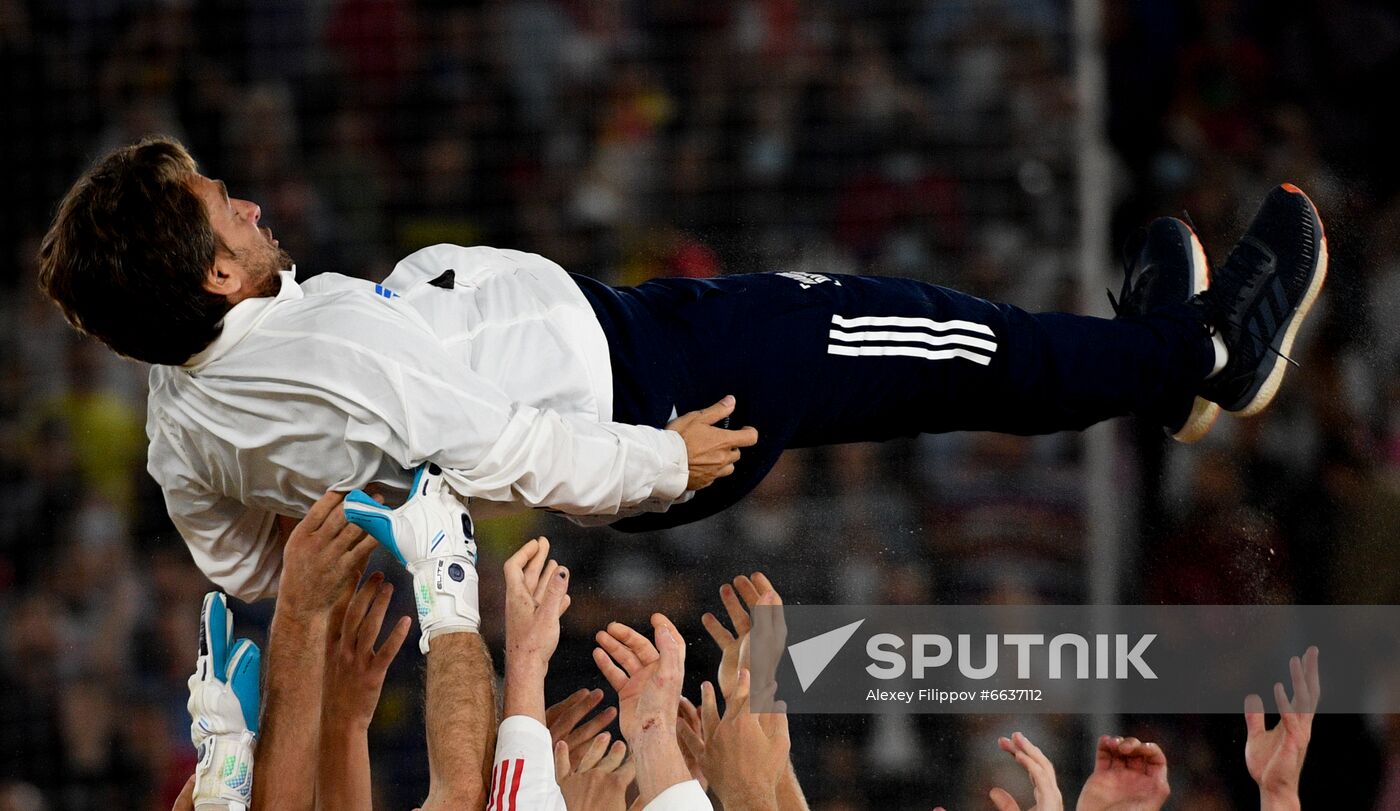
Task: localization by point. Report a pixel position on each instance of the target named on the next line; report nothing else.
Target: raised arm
(647, 675)
(355, 671)
(1275, 756)
(324, 554)
(431, 535)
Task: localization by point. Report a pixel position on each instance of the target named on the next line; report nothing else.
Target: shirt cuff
(675, 468)
(687, 796)
(523, 735)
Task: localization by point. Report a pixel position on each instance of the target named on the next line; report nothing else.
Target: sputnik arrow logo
(811, 656)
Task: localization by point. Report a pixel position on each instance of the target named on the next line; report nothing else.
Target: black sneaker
(1261, 296)
(1170, 269)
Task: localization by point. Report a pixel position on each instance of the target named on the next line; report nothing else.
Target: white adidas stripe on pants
(856, 336)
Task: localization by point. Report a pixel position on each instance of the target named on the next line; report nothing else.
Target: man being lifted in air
(531, 385)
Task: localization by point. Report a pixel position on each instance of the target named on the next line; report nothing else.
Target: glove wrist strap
(224, 777)
(445, 590)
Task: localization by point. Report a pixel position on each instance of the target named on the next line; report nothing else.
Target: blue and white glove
(224, 703)
(432, 536)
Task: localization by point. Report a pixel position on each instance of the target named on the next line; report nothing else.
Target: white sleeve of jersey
(412, 401)
(523, 776)
(234, 545)
(687, 796)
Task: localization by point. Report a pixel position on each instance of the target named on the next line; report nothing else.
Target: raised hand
(1129, 775)
(1038, 767)
(690, 733)
(536, 597)
(647, 677)
(324, 554)
(566, 724)
(745, 755)
(357, 668)
(596, 777)
(735, 647)
(1275, 756)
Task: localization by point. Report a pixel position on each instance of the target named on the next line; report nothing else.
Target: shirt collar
(241, 319)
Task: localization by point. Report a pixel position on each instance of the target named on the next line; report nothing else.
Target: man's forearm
(660, 763)
(524, 688)
(345, 780)
(461, 721)
(1279, 801)
(291, 717)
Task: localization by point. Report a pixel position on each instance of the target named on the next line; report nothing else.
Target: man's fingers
(738, 615)
(594, 725)
(561, 761)
(738, 703)
(709, 709)
(745, 437)
(556, 588)
(392, 643)
(1025, 745)
(1281, 699)
(322, 509)
(538, 569)
(542, 585)
(717, 631)
(555, 712)
(718, 411)
(619, 652)
(595, 751)
(536, 563)
(689, 714)
(1310, 670)
(1003, 800)
(522, 556)
(358, 607)
(690, 740)
(672, 653)
(641, 647)
(1301, 700)
(1253, 714)
(358, 554)
(613, 759)
(765, 586)
(747, 590)
(374, 620)
(614, 675)
(565, 715)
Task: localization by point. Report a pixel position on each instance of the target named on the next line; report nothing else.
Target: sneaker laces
(1227, 290)
(1131, 247)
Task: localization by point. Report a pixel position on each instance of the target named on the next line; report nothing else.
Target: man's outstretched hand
(1275, 756)
(711, 451)
(1129, 775)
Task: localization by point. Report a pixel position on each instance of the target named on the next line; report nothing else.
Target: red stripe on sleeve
(515, 782)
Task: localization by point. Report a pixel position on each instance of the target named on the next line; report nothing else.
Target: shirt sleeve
(234, 545)
(411, 400)
(687, 796)
(523, 775)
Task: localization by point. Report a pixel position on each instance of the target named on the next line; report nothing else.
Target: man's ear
(223, 278)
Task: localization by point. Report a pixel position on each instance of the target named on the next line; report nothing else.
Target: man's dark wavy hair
(128, 253)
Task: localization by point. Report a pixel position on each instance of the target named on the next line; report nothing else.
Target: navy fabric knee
(816, 360)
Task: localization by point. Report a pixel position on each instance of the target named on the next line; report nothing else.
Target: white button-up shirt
(501, 377)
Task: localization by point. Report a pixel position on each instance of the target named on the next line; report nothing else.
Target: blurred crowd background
(629, 139)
